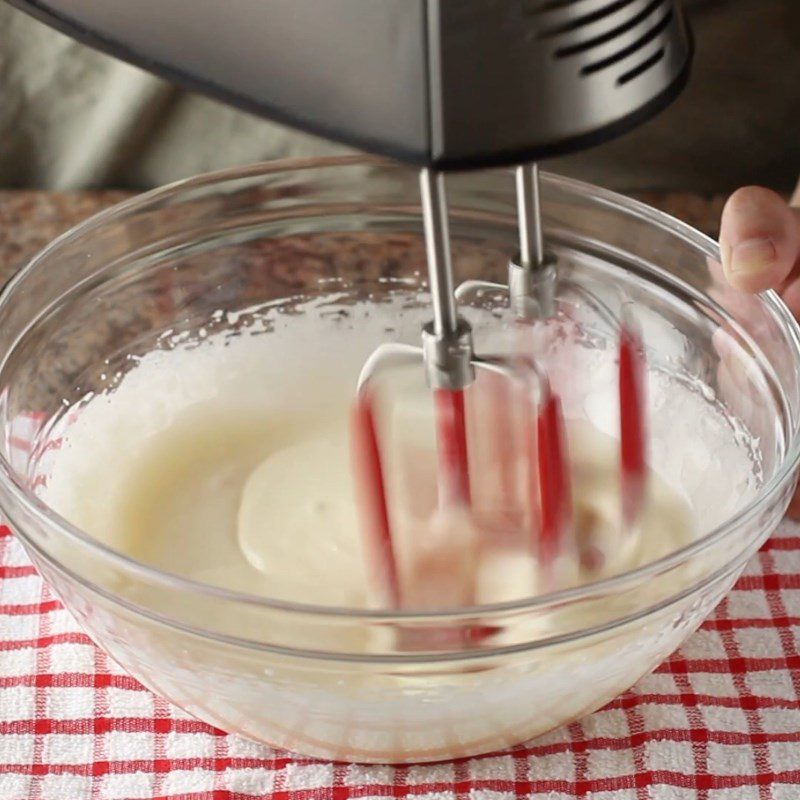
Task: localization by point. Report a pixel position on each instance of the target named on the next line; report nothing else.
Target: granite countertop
(31, 219)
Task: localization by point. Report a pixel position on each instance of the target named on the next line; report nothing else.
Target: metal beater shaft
(532, 277)
(437, 243)
(529, 214)
(447, 340)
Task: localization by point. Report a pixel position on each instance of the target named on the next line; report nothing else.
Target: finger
(795, 201)
(759, 239)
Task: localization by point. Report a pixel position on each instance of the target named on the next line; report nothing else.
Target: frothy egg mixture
(228, 461)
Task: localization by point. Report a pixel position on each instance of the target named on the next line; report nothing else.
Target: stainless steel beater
(450, 364)
(531, 288)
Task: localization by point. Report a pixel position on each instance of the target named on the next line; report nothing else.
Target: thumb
(759, 239)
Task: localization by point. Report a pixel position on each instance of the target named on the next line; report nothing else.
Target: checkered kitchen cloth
(719, 721)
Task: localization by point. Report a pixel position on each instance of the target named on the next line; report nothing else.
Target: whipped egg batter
(228, 462)
(266, 506)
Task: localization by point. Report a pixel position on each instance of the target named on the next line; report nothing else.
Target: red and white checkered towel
(720, 720)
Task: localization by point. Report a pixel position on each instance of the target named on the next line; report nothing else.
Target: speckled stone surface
(31, 219)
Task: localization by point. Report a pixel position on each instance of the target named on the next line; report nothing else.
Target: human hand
(760, 246)
(760, 243)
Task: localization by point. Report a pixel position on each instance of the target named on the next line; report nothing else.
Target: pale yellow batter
(238, 474)
(264, 503)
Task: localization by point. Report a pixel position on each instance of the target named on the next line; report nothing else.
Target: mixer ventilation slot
(587, 19)
(638, 15)
(596, 41)
(548, 5)
(643, 67)
(643, 40)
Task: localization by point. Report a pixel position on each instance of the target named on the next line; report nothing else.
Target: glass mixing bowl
(160, 268)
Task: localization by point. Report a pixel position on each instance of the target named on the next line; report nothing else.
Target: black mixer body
(448, 84)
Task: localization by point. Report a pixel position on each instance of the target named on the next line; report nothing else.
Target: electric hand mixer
(446, 85)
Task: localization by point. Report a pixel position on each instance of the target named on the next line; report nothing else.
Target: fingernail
(753, 256)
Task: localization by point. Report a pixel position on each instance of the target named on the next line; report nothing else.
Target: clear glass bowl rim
(36, 507)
